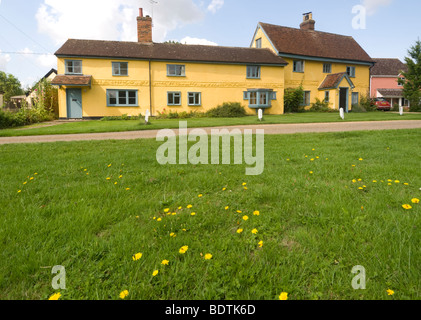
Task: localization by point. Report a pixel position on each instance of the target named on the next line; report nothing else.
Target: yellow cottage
(329, 66)
(113, 78)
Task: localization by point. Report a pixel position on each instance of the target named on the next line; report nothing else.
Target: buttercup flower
(183, 249)
(155, 273)
(193, 213)
(406, 207)
(390, 292)
(200, 195)
(260, 243)
(283, 296)
(124, 294)
(189, 206)
(256, 213)
(226, 208)
(208, 256)
(415, 200)
(55, 296)
(165, 262)
(166, 210)
(137, 256)
(254, 231)
(240, 230)
(245, 218)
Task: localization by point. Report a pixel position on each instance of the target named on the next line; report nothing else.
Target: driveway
(269, 129)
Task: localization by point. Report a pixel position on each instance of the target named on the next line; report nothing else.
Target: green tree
(412, 81)
(10, 85)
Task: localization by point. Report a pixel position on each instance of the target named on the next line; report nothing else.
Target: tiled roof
(69, 80)
(391, 93)
(333, 80)
(168, 52)
(313, 43)
(388, 67)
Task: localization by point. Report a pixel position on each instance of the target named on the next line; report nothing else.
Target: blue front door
(74, 103)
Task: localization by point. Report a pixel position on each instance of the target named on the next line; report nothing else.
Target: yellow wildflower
(124, 294)
(240, 231)
(159, 219)
(283, 296)
(189, 206)
(183, 249)
(137, 256)
(406, 207)
(260, 243)
(223, 189)
(226, 208)
(155, 273)
(166, 210)
(200, 195)
(245, 218)
(244, 183)
(165, 262)
(239, 211)
(254, 231)
(208, 256)
(390, 292)
(172, 235)
(193, 213)
(55, 296)
(256, 213)
(415, 200)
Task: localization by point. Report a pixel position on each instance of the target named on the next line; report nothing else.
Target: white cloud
(112, 19)
(373, 5)
(215, 5)
(4, 60)
(189, 40)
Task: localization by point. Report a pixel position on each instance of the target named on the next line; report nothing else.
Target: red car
(382, 104)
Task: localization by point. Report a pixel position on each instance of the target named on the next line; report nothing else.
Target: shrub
(227, 110)
(293, 99)
(367, 104)
(358, 108)
(320, 106)
(122, 117)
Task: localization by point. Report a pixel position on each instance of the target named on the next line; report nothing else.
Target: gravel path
(269, 129)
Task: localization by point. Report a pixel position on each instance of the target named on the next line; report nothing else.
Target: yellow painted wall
(218, 83)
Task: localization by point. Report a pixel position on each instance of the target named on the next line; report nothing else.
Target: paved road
(269, 129)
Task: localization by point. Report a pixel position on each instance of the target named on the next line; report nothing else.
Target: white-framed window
(120, 68)
(122, 98)
(259, 43)
(350, 71)
(73, 66)
(401, 84)
(195, 98)
(174, 98)
(355, 98)
(176, 70)
(298, 66)
(253, 72)
(327, 68)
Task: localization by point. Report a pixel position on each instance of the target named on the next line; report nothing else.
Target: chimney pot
(308, 22)
(141, 12)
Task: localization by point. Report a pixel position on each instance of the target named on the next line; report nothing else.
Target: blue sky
(32, 30)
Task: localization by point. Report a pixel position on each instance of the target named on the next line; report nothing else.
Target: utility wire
(30, 38)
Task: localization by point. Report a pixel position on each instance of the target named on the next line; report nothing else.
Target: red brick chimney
(308, 22)
(144, 28)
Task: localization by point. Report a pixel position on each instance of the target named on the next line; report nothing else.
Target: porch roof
(332, 81)
(72, 81)
(391, 93)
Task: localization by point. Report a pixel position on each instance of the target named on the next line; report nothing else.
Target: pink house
(384, 81)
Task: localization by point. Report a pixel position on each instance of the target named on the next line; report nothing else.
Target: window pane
(124, 69)
(171, 70)
(177, 99)
(122, 97)
(253, 97)
(116, 69)
(77, 66)
(112, 97)
(263, 98)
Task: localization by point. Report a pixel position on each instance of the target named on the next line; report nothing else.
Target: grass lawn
(315, 224)
(134, 125)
